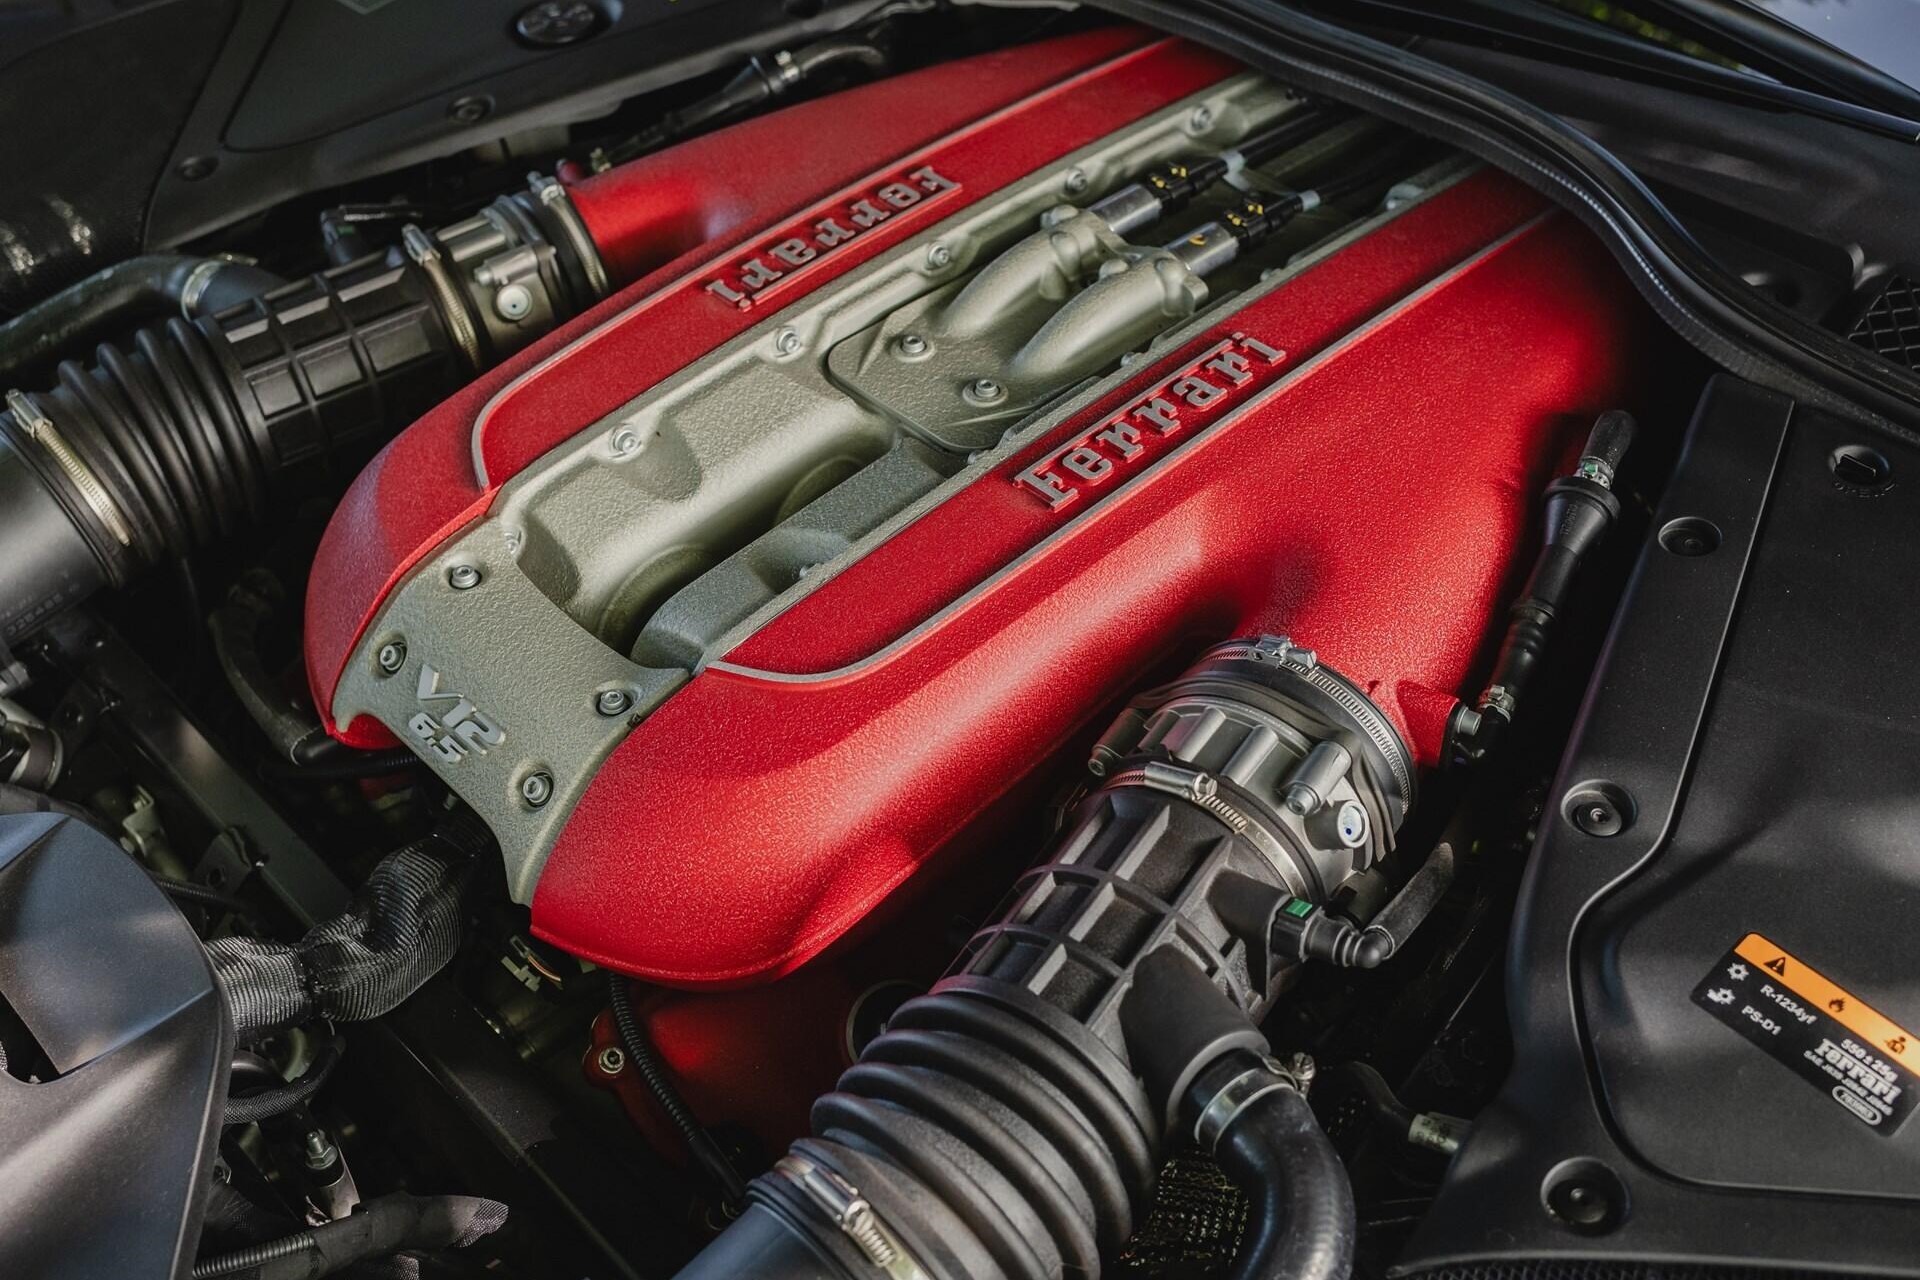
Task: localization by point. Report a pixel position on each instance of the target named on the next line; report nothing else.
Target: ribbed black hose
(1302, 1224)
(646, 1062)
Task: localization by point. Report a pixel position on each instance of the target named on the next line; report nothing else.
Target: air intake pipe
(1010, 1123)
(190, 431)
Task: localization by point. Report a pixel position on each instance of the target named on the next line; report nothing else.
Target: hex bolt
(985, 391)
(625, 441)
(787, 341)
(392, 656)
(319, 1151)
(1076, 182)
(939, 257)
(536, 789)
(612, 702)
(911, 344)
(611, 1061)
(513, 302)
(463, 577)
(1201, 120)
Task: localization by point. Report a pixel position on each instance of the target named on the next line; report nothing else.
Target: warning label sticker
(1837, 1043)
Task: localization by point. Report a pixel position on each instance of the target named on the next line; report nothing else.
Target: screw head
(194, 168)
(1201, 120)
(471, 109)
(625, 441)
(611, 1061)
(1600, 809)
(985, 391)
(612, 702)
(939, 257)
(392, 656)
(1076, 182)
(513, 302)
(556, 23)
(787, 341)
(536, 789)
(911, 344)
(463, 577)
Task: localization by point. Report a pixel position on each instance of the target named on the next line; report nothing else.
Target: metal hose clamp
(40, 429)
(842, 1202)
(1243, 1091)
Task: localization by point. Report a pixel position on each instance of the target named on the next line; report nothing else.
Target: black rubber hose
(389, 1224)
(700, 1143)
(1302, 1224)
(293, 729)
(140, 288)
(282, 1098)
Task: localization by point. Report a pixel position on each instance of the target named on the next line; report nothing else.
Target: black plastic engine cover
(106, 1163)
(1715, 961)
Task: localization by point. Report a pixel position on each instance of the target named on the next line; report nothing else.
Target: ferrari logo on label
(1221, 377)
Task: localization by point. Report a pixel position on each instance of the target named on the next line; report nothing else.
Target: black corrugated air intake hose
(1011, 1123)
(191, 431)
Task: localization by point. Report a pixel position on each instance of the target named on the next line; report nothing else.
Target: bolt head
(939, 257)
(556, 23)
(625, 441)
(392, 656)
(515, 302)
(1076, 182)
(612, 702)
(985, 391)
(536, 789)
(787, 341)
(463, 577)
(1201, 120)
(911, 344)
(611, 1061)
(471, 109)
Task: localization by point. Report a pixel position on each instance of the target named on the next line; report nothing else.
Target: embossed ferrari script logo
(1219, 378)
(806, 243)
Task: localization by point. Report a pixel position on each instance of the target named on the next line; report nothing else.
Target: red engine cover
(1352, 459)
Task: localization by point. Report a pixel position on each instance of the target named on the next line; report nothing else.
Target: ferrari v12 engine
(735, 602)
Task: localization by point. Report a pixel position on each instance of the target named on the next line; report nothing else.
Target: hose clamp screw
(611, 1061)
(392, 656)
(536, 789)
(612, 702)
(787, 341)
(463, 577)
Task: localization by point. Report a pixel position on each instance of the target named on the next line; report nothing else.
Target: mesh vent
(1193, 1228)
(1891, 326)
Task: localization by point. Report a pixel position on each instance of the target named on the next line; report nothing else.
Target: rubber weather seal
(1709, 307)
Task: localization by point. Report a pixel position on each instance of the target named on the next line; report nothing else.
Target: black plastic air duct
(1011, 1123)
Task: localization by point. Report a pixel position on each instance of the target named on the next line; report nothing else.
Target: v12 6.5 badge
(448, 726)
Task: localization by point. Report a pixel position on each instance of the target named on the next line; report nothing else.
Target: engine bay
(1069, 661)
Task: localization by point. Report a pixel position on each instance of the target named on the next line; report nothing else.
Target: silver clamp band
(1242, 1092)
(420, 247)
(40, 429)
(553, 195)
(850, 1211)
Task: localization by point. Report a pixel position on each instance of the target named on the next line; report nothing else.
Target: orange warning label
(1842, 1006)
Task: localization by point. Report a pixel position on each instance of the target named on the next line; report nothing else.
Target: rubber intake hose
(1011, 1123)
(1301, 1223)
(188, 433)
